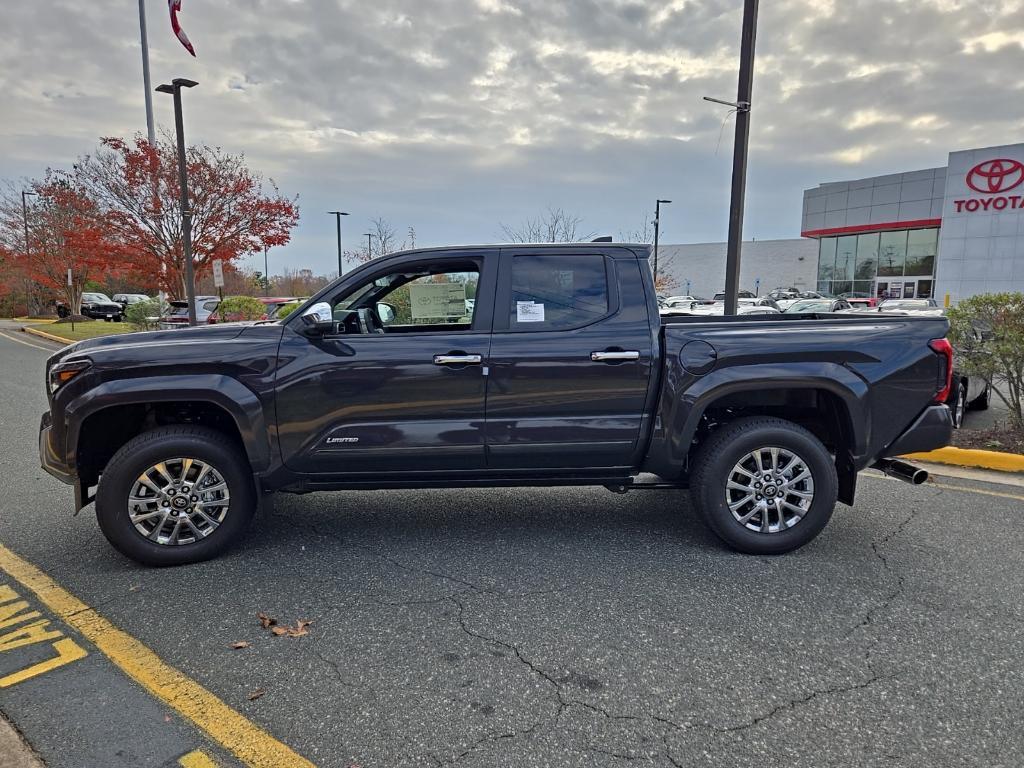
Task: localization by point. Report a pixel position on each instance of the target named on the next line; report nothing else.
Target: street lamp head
(176, 83)
(338, 213)
(664, 202)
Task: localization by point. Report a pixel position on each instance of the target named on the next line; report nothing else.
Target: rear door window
(552, 292)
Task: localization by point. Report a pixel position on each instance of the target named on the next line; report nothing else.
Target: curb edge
(972, 457)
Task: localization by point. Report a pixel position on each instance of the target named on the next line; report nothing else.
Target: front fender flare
(234, 397)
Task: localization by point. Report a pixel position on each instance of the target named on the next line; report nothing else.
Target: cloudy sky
(453, 116)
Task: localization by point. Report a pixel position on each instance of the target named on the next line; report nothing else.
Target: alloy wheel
(769, 490)
(178, 501)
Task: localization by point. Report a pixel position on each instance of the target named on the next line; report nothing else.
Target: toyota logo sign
(992, 176)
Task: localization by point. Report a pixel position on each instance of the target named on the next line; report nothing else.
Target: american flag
(174, 6)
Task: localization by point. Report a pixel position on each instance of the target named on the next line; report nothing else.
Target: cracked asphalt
(570, 627)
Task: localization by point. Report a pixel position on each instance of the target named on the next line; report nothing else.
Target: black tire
(958, 404)
(165, 444)
(714, 465)
(980, 403)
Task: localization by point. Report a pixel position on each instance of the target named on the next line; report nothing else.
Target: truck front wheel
(175, 495)
(764, 485)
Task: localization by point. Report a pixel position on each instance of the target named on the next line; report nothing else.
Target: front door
(402, 395)
(571, 361)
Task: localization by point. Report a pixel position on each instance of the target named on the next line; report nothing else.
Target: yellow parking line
(34, 346)
(196, 759)
(243, 738)
(964, 488)
(978, 490)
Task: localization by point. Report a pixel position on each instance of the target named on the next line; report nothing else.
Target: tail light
(944, 380)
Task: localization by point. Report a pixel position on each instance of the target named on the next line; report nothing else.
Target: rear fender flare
(685, 415)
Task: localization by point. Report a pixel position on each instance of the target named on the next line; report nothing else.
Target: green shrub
(987, 332)
(287, 309)
(143, 316)
(235, 308)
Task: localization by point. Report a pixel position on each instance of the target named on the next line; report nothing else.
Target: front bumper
(50, 457)
(932, 429)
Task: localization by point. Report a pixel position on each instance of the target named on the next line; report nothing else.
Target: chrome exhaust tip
(901, 470)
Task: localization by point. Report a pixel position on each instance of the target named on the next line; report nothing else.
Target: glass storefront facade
(896, 264)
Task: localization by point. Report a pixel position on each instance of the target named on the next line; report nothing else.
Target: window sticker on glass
(529, 312)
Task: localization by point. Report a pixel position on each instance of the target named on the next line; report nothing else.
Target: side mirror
(318, 319)
(386, 313)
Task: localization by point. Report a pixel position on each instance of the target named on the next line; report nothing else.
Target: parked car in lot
(720, 296)
(789, 301)
(564, 375)
(99, 306)
(910, 307)
(684, 301)
(968, 393)
(126, 299)
(176, 315)
(811, 306)
(859, 299)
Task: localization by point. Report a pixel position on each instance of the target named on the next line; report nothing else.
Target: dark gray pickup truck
(492, 366)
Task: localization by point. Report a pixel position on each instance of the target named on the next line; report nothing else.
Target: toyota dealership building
(954, 231)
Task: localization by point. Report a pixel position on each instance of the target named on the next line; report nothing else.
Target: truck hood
(200, 333)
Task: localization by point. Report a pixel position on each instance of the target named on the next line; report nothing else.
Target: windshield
(97, 297)
(810, 306)
(178, 309)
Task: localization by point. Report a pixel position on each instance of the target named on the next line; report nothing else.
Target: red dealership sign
(992, 177)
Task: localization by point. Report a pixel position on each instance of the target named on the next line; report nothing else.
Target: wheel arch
(114, 412)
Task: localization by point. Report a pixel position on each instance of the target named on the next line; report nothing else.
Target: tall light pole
(744, 89)
(24, 214)
(186, 213)
(369, 240)
(266, 273)
(657, 226)
(337, 215)
(146, 83)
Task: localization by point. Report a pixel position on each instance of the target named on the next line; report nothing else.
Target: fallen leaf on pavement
(266, 621)
(240, 644)
(279, 630)
(256, 694)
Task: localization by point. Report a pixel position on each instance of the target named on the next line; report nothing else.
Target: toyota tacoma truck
(511, 365)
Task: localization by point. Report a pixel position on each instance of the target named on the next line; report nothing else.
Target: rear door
(571, 360)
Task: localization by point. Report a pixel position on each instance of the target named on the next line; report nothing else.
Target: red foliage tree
(67, 230)
(137, 185)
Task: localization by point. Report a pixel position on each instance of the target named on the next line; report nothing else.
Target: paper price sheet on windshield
(529, 312)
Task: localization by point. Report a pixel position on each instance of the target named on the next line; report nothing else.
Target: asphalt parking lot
(535, 627)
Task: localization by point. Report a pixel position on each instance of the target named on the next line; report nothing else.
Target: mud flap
(847, 475)
(82, 496)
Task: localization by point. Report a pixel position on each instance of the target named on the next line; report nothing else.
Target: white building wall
(897, 197)
(764, 265)
(980, 251)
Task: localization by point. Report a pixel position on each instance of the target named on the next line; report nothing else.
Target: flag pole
(146, 84)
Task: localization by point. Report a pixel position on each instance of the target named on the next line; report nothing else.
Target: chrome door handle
(602, 357)
(458, 359)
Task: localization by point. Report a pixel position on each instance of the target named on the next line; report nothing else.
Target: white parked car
(910, 307)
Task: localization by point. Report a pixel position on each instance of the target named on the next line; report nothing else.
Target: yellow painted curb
(971, 457)
(50, 336)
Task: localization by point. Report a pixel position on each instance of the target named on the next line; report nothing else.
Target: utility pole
(742, 105)
(657, 226)
(337, 215)
(186, 213)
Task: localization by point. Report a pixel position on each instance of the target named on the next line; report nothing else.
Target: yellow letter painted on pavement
(67, 651)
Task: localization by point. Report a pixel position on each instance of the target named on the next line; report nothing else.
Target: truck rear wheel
(764, 485)
(175, 495)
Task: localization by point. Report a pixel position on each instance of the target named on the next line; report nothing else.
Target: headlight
(62, 373)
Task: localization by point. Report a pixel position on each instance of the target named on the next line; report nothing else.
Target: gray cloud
(454, 115)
